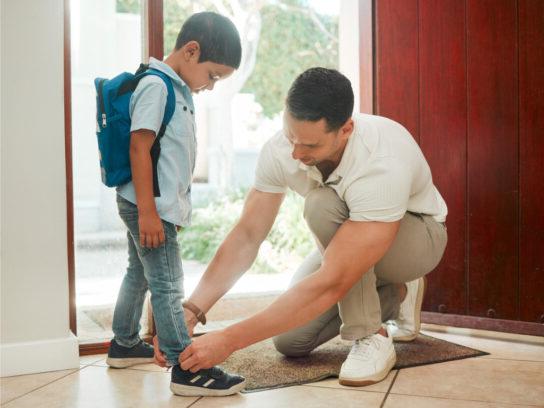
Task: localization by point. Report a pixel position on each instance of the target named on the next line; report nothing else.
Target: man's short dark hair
(321, 93)
(217, 36)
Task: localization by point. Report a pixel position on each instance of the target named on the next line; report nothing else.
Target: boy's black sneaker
(123, 357)
(211, 382)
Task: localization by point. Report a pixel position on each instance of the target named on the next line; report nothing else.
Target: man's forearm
(355, 248)
(234, 257)
(306, 300)
(239, 249)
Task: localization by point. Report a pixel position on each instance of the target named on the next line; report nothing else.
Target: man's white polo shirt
(382, 173)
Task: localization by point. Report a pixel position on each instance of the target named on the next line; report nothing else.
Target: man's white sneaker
(369, 361)
(406, 327)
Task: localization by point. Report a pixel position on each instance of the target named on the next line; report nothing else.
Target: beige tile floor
(511, 376)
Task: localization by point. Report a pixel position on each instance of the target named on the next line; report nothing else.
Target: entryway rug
(265, 368)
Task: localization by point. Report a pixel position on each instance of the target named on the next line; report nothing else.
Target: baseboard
(39, 356)
(483, 323)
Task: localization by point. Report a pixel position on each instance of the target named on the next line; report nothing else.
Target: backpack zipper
(102, 103)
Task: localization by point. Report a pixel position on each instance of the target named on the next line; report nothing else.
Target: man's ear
(347, 128)
(191, 51)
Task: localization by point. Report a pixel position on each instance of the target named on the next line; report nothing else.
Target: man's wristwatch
(201, 317)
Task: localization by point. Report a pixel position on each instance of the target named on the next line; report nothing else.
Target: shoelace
(361, 348)
(213, 372)
(392, 323)
(216, 372)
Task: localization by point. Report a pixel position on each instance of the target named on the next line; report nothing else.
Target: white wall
(348, 33)
(35, 332)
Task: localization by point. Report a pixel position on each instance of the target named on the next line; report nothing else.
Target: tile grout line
(129, 368)
(42, 386)
(194, 402)
(91, 363)
(352, 389)
(511, 359)
(462, 399)
(389, 389)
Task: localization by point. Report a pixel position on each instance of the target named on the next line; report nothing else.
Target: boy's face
(204, 75)
(199, 75)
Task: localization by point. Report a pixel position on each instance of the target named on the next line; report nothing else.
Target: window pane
(280, 39)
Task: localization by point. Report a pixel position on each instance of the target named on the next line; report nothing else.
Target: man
(378, 222)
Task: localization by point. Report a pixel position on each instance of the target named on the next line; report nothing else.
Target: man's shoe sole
(127, 362)
(376, 378)
(417, 316)
(192, 391)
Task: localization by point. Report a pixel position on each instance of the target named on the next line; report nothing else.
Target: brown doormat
(265, 368)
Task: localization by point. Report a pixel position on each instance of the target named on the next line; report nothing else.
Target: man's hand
(190, 323)
(151, 230)
(206, 351)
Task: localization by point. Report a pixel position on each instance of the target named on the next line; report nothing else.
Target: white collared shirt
(382, 173)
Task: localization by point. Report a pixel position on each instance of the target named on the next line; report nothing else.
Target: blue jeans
(160, 271)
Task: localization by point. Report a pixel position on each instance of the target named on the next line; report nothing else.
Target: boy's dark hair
(217, 36)
(321, 93)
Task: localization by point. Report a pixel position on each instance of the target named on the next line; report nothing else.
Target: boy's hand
(151, 230)
(159, 358)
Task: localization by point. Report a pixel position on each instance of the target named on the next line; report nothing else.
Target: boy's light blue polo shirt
(178, 144)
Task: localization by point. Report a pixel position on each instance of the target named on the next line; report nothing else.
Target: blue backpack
(113, 125)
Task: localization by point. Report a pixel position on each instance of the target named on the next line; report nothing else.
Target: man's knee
(322, 203)
(291, 346)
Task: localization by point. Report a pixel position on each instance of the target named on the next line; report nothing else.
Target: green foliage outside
(287, 244)
(175, 13)
(290, 42)
(128, 6)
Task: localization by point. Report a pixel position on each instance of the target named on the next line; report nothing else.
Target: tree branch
(313, 16)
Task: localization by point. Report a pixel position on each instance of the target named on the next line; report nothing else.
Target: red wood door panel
(396, 56)
(531, 139)
(443, 124)
(492, 158)
(466, 77)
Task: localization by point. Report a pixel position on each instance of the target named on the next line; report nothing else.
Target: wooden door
(466, 78)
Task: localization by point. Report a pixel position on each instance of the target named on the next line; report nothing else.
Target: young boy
(207, 50)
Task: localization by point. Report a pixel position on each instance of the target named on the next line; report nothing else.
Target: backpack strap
(170, 99)
(168, 113)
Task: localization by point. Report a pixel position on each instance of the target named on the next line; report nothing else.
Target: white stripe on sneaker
(195, 379)
(208, 382)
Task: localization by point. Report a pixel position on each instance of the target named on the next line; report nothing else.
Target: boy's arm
(150, 224)
(239, 249)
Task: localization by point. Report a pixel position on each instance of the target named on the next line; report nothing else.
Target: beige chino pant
(416, 251)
